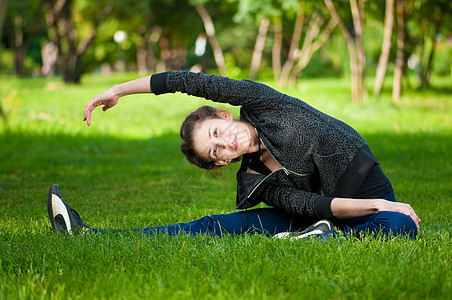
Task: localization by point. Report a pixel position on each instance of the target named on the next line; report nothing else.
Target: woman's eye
(215, 132)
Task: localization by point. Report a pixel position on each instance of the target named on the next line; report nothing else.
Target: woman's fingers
(410, 212)
(87, 114)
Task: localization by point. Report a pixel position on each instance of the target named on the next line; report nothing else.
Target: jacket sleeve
(213, 87)
(296, 203)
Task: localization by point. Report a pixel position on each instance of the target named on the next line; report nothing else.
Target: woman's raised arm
(110, 97)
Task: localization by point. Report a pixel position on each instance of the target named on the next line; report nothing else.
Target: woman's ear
(224, 114)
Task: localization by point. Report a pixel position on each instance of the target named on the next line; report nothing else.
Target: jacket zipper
(287, 171)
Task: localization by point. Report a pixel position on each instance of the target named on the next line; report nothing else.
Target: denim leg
(267, 221)
(384, 222)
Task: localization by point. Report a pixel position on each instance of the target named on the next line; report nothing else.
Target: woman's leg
(267, 221)
(384, 222)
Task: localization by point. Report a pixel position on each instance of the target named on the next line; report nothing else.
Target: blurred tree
(72, 26)
(316, 34)
(433, 19)
(23, 23)
(309, 31)
(353, 36)
(386, 46)
(259, 12)
(160, 34)
(259, 47)
(401, 9)
(211, 35)
(3, 9)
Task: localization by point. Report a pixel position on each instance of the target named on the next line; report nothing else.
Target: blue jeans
(384, 222)
(269, 221)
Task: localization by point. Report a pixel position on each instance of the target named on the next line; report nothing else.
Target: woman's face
(221, 140)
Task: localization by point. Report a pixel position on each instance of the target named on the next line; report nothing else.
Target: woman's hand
(108, 99)
(347, 208)
(403, 208)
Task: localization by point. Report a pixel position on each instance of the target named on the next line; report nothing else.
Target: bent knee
(398, 224)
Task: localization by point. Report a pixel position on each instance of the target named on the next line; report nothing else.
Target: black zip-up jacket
(321, 157)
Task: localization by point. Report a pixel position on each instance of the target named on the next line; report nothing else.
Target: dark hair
(186, 133)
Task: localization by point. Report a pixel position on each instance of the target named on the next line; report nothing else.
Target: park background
(382, 66)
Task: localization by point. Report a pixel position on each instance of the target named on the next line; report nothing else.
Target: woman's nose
(222, 142)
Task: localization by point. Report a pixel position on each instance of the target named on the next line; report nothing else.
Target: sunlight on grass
(125, 171)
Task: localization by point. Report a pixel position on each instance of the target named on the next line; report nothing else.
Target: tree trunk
(294, 51)
(357, 10)
(400, 61)
(259, 48)
(354, 61)
(142, 50)
(210, 31)
(308, 51)
(426, 68)
(277, 46)
(3, 9)
(19, 44)
(59, 20)
(165, 54)
(385, 48)
(49, 53)
(72, 70)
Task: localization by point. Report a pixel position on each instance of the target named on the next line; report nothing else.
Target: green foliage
(125, 171)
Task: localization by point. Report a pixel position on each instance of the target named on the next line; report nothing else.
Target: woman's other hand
(403, 208)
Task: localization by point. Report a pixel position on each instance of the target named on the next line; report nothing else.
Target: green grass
(125, 171)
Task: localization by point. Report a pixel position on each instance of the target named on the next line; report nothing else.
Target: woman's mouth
(236, 143)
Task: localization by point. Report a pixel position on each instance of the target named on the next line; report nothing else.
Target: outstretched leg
(267, 221)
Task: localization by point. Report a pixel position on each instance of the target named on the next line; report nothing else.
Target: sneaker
(315, 230)
(62, 217)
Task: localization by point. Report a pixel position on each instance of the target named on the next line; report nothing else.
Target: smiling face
(221, 140)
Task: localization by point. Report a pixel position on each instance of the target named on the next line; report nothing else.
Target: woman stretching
(306, 165)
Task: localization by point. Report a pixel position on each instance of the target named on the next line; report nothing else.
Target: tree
(72, 34)
(431, 17)
(288, 59)
(386, 46)
(23, 23)
(160, 34)
(355, 45)
(259, 47)
(3, 9)
(251, 12)
(400, 60)
(210, 31)
(315, 36)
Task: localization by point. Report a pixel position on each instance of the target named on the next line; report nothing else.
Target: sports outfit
(321, 158)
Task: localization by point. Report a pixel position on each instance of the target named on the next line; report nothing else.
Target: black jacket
(322, 157)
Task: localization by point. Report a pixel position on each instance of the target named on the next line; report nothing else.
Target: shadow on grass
(120, 175)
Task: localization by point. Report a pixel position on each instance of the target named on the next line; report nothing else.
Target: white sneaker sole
(58, 208)
(290, 235)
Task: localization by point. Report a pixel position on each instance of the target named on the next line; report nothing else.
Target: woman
(306, 165)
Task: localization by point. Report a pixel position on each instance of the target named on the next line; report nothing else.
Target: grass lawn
(125, 171)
